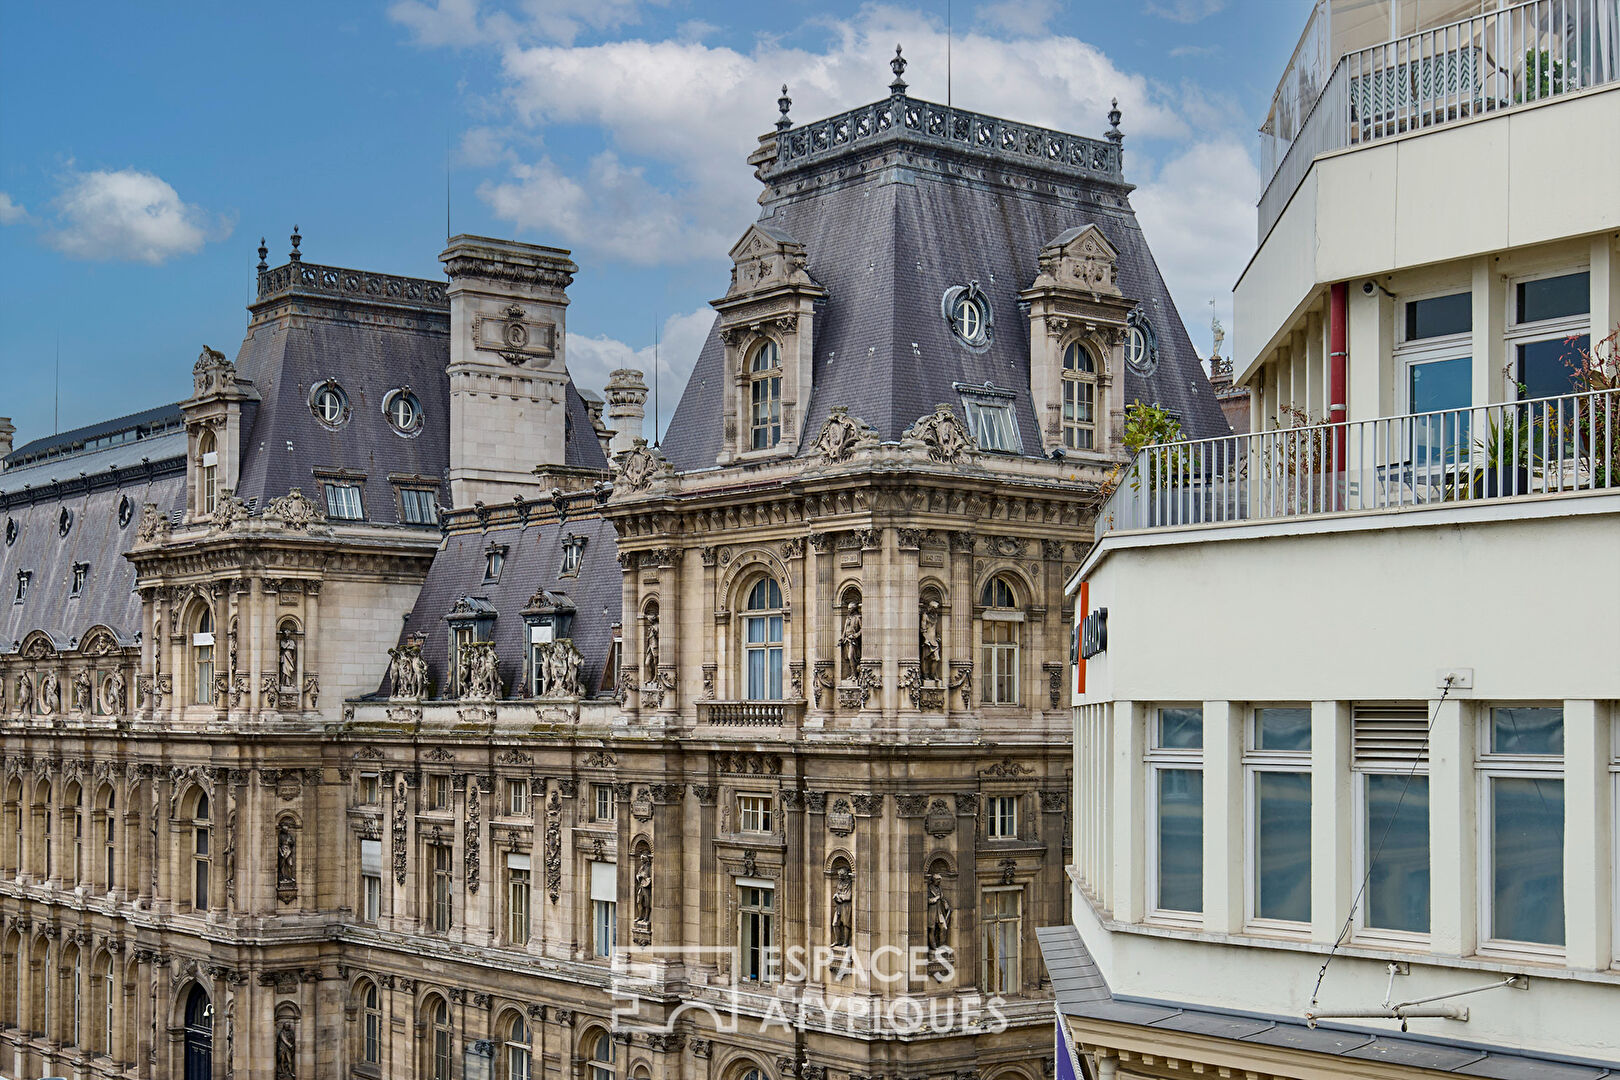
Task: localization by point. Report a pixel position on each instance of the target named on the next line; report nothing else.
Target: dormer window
(494, 562)
(1079, 397)
(573, 553)
(81, 573)
(990, 418)
(329, 404)
(207, 472)
(765, 396)
(403, 411)
(967, 312)
(24, 579)
(343, 501)
(1141, 344)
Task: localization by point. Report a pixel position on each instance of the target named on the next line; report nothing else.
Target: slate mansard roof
(897, 202)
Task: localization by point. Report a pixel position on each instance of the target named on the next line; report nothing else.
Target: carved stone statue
(945, 439)
(229, 511)
(289, 660)
(842, 898)
(939, 915)
(928, 649)
(117, 691)
(286, 862)
(286, 1051)
(50, 693)
(407, 671)
(849, 636)
(649, 659)
(230, 854)
(154, 525)
(643, 891)
(25, 693)
(81, 692)
(479, 671)
(557, 670)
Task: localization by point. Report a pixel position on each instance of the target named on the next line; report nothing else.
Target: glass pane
(1441, 384)
(1527, 731)
(1397, 852)
(1553, 298)
(1439, 316)
(775, 662)
(756, 674)
(1282, 865)
(1182, 728)
(1547, 368)
(1527, 860)
(1282, 729)
(1181, 839)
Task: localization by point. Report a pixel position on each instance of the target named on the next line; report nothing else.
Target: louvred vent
(1391, 735)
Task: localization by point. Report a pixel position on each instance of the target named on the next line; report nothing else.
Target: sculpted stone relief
(407, 672)
(295, 511)
(944, 438)
(842, 435)
(477, 672)
(558, 667)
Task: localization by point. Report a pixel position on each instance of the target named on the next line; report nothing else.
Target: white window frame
(517, 797)
(1362, 844)
(754, 812)
(604, 806)
(441, 889)
(769, 953)
(774, 651)
(519, 893)
(768, 432)
(573, 556)
(1614, 826)
(370, 885)
(1161, 758)
(1546, 329)
(425, 503)
(343, 500)
(993, 422)
(1489, 766)
(1074, 379)
(370, 793)
(1001, 817)
(1015, 969)
(1257, 761)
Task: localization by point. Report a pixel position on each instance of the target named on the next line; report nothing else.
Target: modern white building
(1347, 688)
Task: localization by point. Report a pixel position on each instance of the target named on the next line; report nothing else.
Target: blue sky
(144, 149)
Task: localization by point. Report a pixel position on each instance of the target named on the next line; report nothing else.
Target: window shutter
(517, 861)
(371, 858)
(605, 881)
(1391, 736)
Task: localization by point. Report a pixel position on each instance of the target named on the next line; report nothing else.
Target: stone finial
(264, 253)
(898, 66)
(784, 103)
(1115, 135)
(295, 255)
(8, 431)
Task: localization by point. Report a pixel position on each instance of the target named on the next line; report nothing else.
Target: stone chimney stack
(627, 408)
(508, 370)
(8, 430)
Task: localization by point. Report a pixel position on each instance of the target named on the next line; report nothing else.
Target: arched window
(74, 805)
(207, 472)
(370, 1024)
(103, 997)
(515, 1059)
(199, 1044)
(1079, 397)
(404, 412)
(601, 1062)
(439, 1060)
(109, 833)
(72, 995)
(44, 856)
(202, 658)
(762, 641)
(200, 858)
(13, 827)
(10, 983)
(1003, 627)
(765, 397)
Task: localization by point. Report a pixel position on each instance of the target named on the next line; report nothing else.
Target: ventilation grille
(1391, 735)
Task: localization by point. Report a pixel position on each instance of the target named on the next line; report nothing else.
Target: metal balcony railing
(1542, 447)
(1446, 74)
(750, 713)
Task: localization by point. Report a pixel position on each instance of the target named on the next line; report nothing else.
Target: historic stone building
(743, 757)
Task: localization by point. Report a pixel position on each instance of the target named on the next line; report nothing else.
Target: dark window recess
(1554, 297)
(1547, 368)
(494, 562)
(343, 502)
(1439, 316)
(81, 573)
(24, 579)
(419, 506)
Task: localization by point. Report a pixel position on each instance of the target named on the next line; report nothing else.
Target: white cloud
(1024, 17)
(11, 213)
(129, 214)
(694, 111)
(592, 359)
(459, 23)
(1198, 216)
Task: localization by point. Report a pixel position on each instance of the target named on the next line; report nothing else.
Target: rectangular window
(517, 798)
(1439, 316)
(438, 793)
(756, 913)
(1278, 765)
(200, 867)
(993, 425)
(763, 652)
(1000, 648)
(370, 789)
(1523, 824)
(573, 553)
(370, 880)
(81, 573)
(1176, 776)
(1003, 817)
(604, 908)
(440, 859)
(1391, 764)
(1002, 925)
(754, 813)
(1551, 323)
(603, 807)
(419, 506)
(24, 579)
(343, 501)
(517, 898)
(494, 563)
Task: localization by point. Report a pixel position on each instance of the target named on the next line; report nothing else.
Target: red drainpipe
(1338, 301)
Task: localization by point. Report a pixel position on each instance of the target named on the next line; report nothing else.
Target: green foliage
(1149, 425)
(1543, 76)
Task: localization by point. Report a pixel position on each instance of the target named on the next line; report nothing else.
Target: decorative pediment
(1080, 258)
(842, 435)
(639, 468)
(766, 258)
(942, 436)
(212, 372)
(295, 511)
